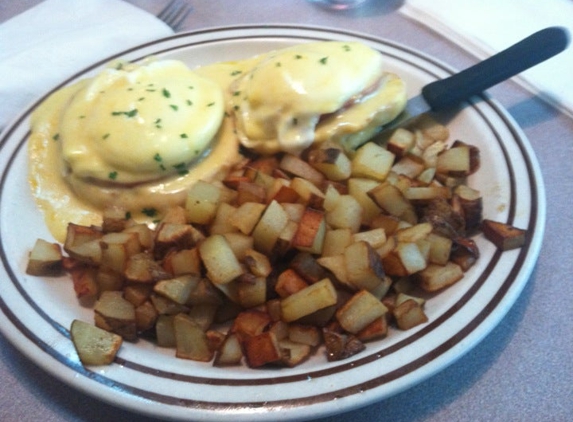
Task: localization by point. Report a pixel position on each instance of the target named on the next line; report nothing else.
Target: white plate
(35, 313)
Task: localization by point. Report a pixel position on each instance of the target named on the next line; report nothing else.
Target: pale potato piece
(45, 259)
(94, 345)
(308, 300)
(372, 161)
(221, 263)
(360, 311)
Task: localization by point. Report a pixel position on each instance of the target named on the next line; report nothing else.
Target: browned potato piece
(114, 313)
(289, 282)
(504, 236)
(340, 346)
(300, 168)
(408, 314)
(145, 316)
(261, 349)
(45, 259)
(309, 236)
(94, 345)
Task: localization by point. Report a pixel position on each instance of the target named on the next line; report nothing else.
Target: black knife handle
(536, 48)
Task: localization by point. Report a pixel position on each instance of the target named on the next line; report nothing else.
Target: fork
(174, 13)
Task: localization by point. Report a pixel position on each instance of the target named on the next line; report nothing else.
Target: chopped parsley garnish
(130, 113)
(189, 102)
(150, 212)
(236, 72)
(141, 99)
(323, 60)
(278, 64)
(128, 215)
(157, 123)
(298, 57)
(346, 47)
(181, 168)
(236, 93)
(166, 93)
(158, 158)
(210, 104)
(174, 107)
(184, 136)
(112, 175)
(105, 136)
(56, 137)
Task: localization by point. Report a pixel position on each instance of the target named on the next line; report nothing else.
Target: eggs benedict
(315, 92)
(135, 136)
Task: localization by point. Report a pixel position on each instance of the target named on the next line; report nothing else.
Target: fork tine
(174, 13)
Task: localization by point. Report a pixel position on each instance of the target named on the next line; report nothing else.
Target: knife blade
(445, 94)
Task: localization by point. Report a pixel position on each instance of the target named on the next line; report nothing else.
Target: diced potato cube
(94, 345)
(269, 227)
(372, 161)
(360, 311)
(220, 262)
(45, 259)
(308, 300)
(363, 266)
(436, 277)
(190, 340)
(504, 236)
(202, 201)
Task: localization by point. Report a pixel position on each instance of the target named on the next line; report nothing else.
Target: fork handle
(536, 48)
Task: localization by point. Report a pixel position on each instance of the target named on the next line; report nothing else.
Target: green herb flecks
(112, 175)
(181, 169)
(324, 60)
(166, 93)
(130, 113)
(150, 212)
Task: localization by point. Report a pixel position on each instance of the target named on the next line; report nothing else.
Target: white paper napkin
(484, 27)
(55, 39)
